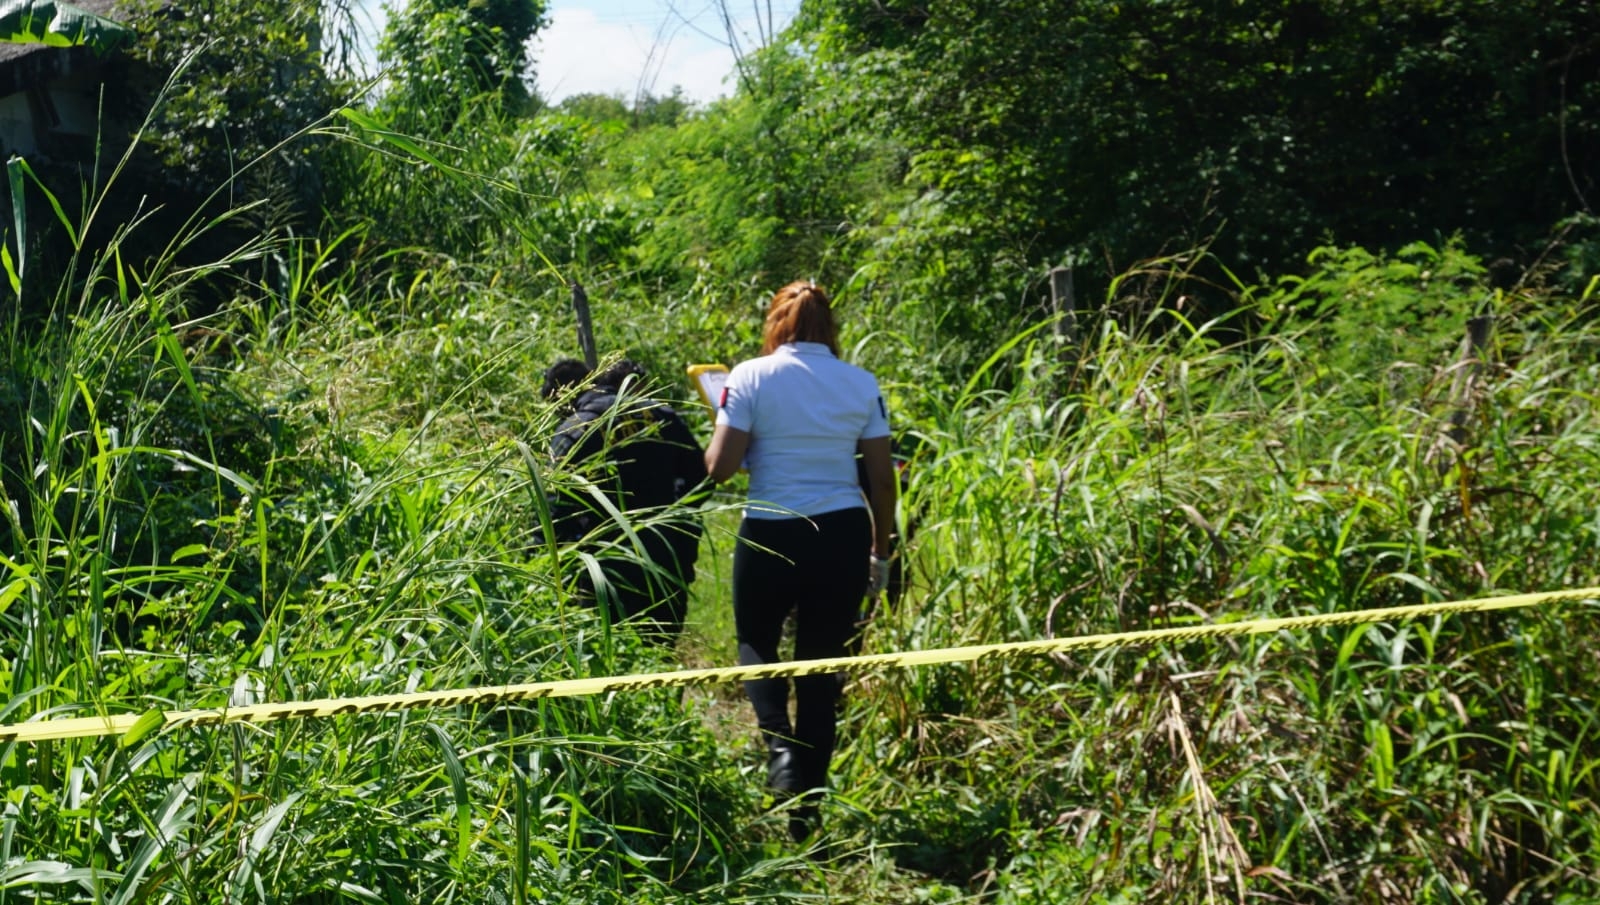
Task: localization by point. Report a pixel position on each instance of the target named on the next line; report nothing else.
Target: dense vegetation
(1335, 348)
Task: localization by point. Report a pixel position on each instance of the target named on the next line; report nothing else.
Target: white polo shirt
(804, 410)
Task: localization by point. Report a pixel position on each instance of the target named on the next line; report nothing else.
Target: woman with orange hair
(811, 542)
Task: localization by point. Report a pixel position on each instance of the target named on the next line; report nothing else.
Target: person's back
(803, 432)
(638, 453)
(636, 449)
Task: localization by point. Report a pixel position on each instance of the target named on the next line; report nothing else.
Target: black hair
(613, 377)
(565, 374)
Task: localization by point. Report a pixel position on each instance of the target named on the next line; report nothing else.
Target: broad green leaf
(17, 168)
(19, 214)
(458, 785)
(60, 25)
(379, 133)
(164, 833)
(189, 550)
(13, 590)
(12, 276)
(31, 873)
(149, 722)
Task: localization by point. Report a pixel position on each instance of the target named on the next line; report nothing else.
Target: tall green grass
(1185, 475)
(334, 485)
(307, 494)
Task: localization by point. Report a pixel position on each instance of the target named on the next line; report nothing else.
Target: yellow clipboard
(708, 379)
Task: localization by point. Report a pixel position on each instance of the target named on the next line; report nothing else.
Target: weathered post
(1064, 306)
(1464, 382)
(580, 307)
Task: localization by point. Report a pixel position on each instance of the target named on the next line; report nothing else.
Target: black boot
(785, 768)
(804, 820)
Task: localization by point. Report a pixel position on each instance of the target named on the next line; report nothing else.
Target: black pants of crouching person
(654, 597)
(816, 568)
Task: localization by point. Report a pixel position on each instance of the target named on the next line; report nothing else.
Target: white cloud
(580, 53)
(622, 46)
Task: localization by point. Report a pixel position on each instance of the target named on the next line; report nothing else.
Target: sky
(625, 46)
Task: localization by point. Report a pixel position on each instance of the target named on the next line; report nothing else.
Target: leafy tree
(662, 109)
(246, 78)
(216, 102)
(595, 107)
(648, 110)
(440, 53)
(1037, 131)
(754, 189)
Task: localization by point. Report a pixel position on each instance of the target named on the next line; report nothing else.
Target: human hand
(877, 575)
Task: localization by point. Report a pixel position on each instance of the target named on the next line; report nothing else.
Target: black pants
(655, 596)
(816, 568)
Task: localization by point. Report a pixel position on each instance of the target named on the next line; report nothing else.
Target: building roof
(23, 66)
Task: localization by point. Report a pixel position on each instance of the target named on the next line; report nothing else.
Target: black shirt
(636, 450)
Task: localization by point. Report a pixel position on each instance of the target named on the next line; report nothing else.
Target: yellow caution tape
(120, 724)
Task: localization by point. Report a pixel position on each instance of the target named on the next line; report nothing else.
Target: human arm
(883, 491)
(726, 452)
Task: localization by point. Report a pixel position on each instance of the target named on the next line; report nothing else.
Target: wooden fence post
(580, 307)
(1464, 382)
(1064, 305)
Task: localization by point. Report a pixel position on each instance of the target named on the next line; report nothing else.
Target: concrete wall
(16, 126)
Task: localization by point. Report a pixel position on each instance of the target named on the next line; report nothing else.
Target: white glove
(877, 575)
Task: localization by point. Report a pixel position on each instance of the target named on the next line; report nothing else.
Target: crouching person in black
(639, 454)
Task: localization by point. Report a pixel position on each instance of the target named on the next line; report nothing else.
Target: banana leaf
(59, 25)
